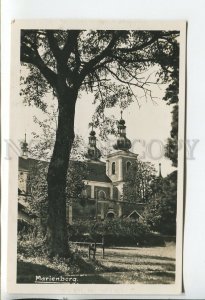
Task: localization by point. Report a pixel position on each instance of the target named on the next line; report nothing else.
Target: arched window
(115, 193)
(128, 165)
(110, 214)
(101, 195)
(113, 168)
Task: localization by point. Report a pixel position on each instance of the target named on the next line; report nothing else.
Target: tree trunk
(57, 173)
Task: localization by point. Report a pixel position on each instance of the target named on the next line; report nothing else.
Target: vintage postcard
(96, 151)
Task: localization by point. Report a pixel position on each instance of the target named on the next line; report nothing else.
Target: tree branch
(157, 35)
(31, 56)
(53, 44)
(94, 61)
(139, 47)
(119, 79)
(70, 42)
(132, 60)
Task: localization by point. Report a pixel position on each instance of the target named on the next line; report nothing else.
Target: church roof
(23, 164)
(28, 163)
(95, 171)
(122, 153)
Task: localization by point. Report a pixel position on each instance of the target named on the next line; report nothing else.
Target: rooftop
(95, 171)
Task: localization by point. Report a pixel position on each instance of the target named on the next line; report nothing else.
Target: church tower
(119, 162)
(93, 152)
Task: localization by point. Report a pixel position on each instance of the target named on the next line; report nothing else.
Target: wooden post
(89, 251)
(92, 247)
(103, 247)
(94, 251)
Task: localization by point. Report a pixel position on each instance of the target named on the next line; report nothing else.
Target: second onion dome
(93, 152)
(122, 143)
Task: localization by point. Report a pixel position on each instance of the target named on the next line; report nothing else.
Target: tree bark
(57, 238)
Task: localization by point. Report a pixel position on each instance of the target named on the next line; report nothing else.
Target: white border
(193, 12)
(13, 287)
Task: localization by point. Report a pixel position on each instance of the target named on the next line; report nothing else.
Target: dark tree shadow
(27, 272)
(163, 274)
(94, 279)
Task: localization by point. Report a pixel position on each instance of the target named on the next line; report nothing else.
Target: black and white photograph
(96, 155)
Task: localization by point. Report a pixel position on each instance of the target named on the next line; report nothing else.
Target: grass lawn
(120, 265)
(140, 265)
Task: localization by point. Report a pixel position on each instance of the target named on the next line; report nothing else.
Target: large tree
(111, 65)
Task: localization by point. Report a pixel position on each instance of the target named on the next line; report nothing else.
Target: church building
(102, 196)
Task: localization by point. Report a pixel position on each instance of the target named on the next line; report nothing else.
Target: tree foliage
(172, 98)
(41, 150)
(138, 182)
(38, 200)
(114, 65)
(171, 149)
(160, 213)
(42, 144)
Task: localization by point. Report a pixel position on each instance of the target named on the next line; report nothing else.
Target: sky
(148, 126)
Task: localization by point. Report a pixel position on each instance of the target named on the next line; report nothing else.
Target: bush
(116, 232)
(80, 230)
(31, 245)
(24, 227)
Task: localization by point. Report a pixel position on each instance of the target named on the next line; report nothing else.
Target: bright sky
(148, 127)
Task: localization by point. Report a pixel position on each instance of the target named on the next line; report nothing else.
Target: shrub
(31, 245)
(80, 230)
(116, 232)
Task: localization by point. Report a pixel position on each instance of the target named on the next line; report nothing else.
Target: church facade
(102, 196)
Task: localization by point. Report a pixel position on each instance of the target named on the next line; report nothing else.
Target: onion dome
(122, 143)
(93, 152)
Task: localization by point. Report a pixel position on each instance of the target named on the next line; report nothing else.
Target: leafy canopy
(116, 66)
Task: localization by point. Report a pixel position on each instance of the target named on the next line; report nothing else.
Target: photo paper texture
(96, 157)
